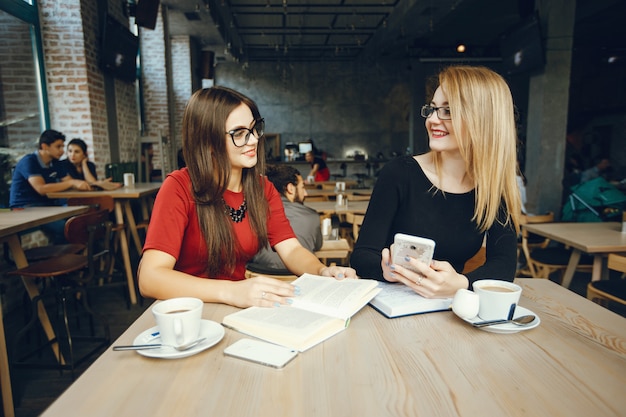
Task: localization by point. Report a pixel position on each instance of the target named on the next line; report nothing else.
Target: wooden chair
(475, 261)
(542, 259)
(70, 275)
(39, 253)
(105, 202)
(353, 225)
(358, 197)
(334, 249)
(612, 290)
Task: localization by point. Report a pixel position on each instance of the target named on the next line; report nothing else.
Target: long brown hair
(206, 156)
(483, 117)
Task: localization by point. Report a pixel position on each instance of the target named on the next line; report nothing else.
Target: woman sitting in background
(461, 191)
(77, 164)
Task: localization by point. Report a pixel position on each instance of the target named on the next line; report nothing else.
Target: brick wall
(155, 85)
(182, 87)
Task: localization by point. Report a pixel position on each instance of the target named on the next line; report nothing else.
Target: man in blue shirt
(304, 221)
(39, 173)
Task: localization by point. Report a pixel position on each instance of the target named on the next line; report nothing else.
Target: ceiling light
(460, 48)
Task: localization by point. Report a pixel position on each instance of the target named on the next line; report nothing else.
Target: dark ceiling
(347, 30)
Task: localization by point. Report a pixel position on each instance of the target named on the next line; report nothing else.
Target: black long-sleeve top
(405, 201)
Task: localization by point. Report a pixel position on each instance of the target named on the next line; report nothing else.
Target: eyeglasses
(241, 136)
(443, 113)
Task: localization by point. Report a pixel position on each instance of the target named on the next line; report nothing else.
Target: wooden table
(333, 249)
(330, 183)
(329, 207)
(573, 364)
(11, 224)
(123, 215)
(350, 193)
(597, 239)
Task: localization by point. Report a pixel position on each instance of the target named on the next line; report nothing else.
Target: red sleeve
(174, 225)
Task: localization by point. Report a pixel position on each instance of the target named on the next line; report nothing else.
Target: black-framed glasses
(241, 136)
(443, 113)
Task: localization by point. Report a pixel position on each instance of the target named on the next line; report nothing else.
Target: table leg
(5, 376)
(119, 217)
(33, 291)
(132, 226)
(596, 272)
(571, 267)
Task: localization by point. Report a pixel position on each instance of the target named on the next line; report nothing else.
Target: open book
(397, 300)
(322, 309)
(106, 185)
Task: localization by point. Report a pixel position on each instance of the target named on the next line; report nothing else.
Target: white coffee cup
(465, 304)
(497, 298)
(310, 179)
(129, 179)
(178, 320)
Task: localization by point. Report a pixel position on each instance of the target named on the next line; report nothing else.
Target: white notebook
(396, 300)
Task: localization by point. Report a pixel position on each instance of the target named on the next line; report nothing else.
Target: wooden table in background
(329, 207)
(597, 239)
(12, 223)
(573, 364)
(124, 215)
(329, 183)
(315, 192)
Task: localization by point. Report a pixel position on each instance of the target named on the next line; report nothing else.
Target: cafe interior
(345, 79)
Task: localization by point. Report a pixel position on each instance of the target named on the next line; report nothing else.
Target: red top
(322, 174)
(174, 227)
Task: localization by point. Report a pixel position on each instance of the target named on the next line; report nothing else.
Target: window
(22, 110)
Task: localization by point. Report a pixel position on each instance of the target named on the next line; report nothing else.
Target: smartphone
(416, 247)
(264, 353)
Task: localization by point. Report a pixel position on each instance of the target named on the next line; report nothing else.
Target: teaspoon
(184, 346)
(519, 321)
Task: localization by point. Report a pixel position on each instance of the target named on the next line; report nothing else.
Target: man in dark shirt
(304, 220)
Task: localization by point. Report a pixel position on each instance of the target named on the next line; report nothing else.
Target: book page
(338, 298)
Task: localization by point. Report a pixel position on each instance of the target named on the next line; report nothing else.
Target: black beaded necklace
(236, 215)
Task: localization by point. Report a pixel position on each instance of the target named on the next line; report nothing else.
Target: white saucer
(509, 327)
(212, 331)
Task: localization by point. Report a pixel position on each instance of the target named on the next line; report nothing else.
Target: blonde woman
(460, 191)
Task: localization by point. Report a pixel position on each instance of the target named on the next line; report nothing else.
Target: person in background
(460, 191)
(304, 221)
(39, 173)
(211, 217)
(77, 165)
(601, 169)
(319, 169)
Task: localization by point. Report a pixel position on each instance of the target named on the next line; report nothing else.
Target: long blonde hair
(483, 117)
(206, 157)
